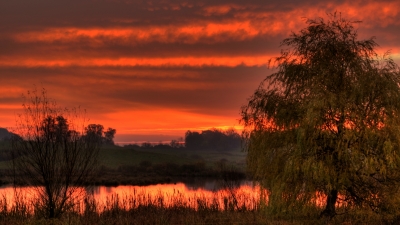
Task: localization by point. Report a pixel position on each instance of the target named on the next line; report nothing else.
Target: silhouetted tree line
(59, 126)
(96, 132)
(147, 145)
(59, 129)
(148, 172)
(213, 139)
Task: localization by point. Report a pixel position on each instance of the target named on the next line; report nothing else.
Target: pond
(211, 194)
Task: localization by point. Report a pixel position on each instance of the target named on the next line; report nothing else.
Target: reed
(237, 208)
(138, 208)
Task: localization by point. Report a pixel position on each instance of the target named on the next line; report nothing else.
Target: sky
(155, 69)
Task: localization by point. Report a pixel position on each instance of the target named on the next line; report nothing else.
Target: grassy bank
(146, 173)
(130, 165)
(115, 156)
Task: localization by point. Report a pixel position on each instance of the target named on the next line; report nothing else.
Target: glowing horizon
(153, 70)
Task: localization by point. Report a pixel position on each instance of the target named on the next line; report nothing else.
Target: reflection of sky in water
(206, 192)
(171, 194)
(246, 194)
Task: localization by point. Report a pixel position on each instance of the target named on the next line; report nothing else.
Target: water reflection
(210, 193)
(194, 195)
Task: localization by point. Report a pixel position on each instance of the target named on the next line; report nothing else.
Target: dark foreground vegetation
(142, 210)
(151, 213)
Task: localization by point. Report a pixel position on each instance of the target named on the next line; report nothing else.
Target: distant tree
(54, 154)
(327, 122)
(193, 140)
(162, 146)
(94, 132)
(175, 144)
(214, 139)
(146, 145)
(109, 136)
(233, 139)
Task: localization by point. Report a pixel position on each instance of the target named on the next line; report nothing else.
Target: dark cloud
(195, 62)
(113, 49)
(206, 90)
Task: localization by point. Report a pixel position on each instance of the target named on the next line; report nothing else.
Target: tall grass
(233, 207)
(139, 208)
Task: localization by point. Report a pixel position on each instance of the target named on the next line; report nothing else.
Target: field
(138, 166)
(122, 165)
(115, 156)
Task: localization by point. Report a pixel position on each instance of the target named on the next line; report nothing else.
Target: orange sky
(154, 69)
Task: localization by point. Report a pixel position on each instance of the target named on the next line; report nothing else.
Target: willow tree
(327, 121)
(53, 154)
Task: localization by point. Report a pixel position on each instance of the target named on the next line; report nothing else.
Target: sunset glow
(152, 62)
(160, 68)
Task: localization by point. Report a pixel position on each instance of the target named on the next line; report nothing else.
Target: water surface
(194, 195)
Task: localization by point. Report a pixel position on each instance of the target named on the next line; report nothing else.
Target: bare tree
(54, 154)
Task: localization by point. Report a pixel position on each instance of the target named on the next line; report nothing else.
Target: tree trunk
(330, 210)
(51, 212)
(50, 203)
